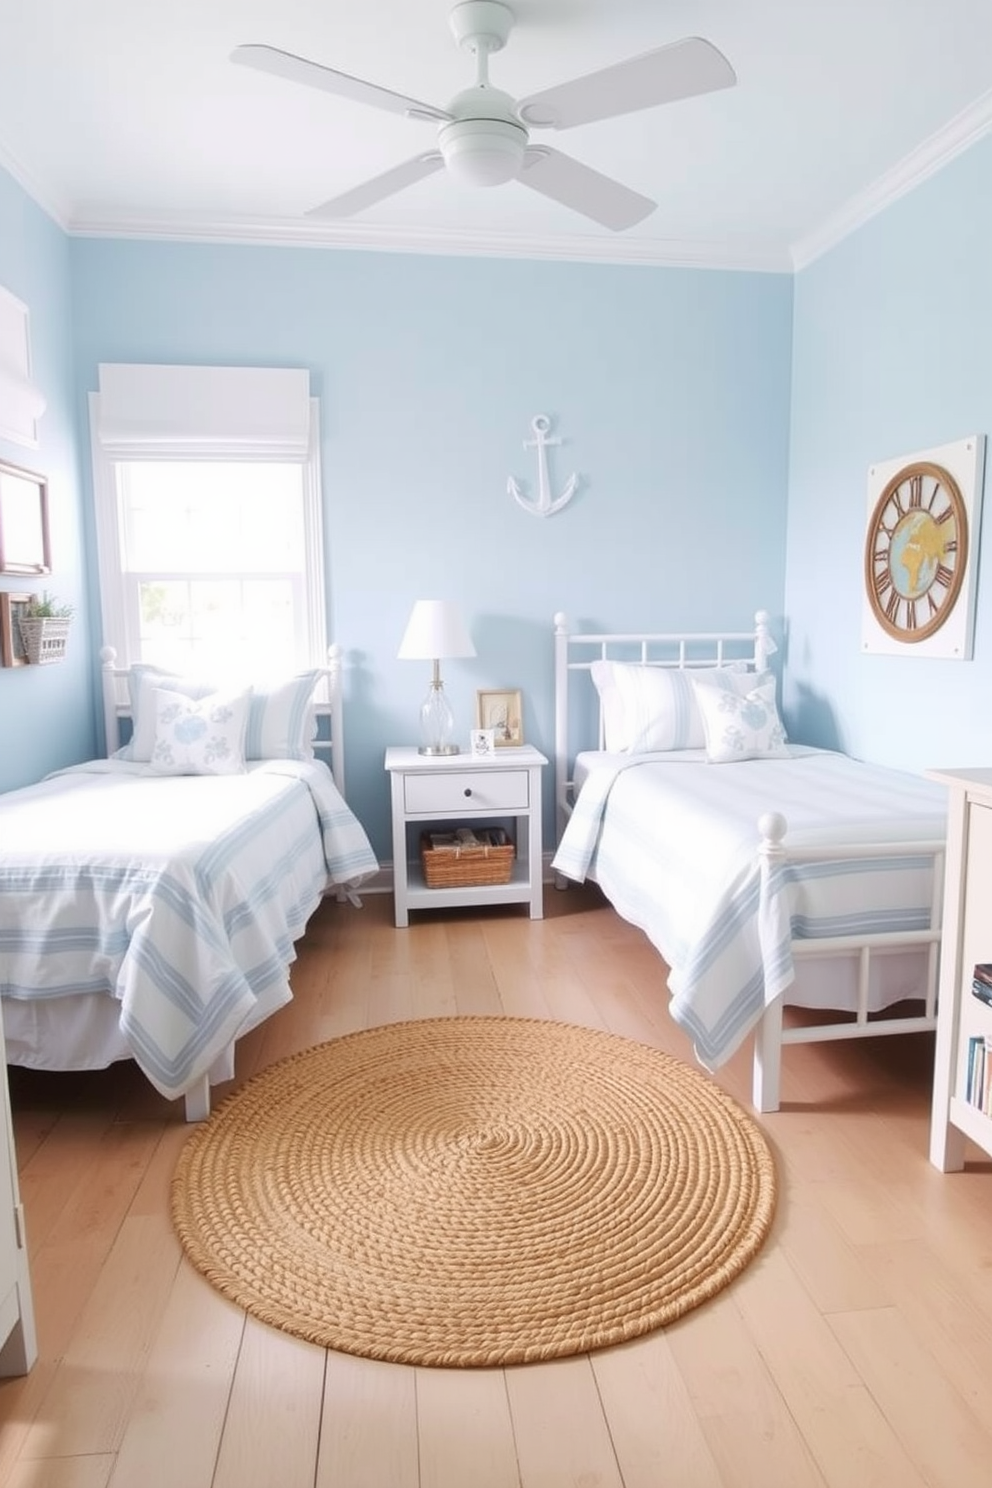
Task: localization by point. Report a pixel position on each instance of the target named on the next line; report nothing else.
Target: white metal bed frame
(328, 745)
(575, 653)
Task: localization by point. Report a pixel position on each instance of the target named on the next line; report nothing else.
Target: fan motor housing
(483, 152)
(484, 143)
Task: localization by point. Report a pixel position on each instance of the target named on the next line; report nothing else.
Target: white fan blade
(583, 189)
(680, 70)
(313, 75)
(376, 190)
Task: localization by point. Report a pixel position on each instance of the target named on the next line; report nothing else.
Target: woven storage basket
(452, 864)
(44, 638)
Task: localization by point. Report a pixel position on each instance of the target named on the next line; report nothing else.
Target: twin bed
(150, 902)
(764, 873)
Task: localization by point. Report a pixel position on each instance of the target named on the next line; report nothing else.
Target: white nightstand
(453, 790)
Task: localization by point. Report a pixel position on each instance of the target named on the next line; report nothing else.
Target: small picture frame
(502, 711)
(12, 652)
(24, 539)
(482, 743)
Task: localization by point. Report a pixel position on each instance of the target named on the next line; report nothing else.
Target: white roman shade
(145, 411)
(21, 402)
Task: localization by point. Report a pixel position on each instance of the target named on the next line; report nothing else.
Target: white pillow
(202, 736)
(741, 727)
(281, 717)
(648, 708)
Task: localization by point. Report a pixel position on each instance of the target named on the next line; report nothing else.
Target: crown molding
(963, 131)
(649, 252)
(39, 194)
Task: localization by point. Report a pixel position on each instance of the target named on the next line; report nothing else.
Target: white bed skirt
(81, 1031)
(832, 981)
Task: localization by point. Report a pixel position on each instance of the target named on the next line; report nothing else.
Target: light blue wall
(47, 715)
(891, 356)
(671, 389)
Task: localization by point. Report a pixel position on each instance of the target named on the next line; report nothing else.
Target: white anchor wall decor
(544, 506)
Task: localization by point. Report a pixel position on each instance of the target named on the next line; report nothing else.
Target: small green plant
(45, 606)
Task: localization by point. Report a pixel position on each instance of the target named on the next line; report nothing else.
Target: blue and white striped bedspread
(672, 841)
(181, 896)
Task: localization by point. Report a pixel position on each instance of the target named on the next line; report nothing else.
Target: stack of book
(981, 982)
(978, 1086)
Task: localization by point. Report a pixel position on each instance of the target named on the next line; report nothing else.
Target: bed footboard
(771, 1034)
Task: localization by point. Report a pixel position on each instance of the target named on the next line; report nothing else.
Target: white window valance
(221, 411)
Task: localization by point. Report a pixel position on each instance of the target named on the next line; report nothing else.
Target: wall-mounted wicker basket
(44, 638)
(484, 857)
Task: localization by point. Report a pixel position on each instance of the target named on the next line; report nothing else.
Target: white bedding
(672, 841)
(179, 897)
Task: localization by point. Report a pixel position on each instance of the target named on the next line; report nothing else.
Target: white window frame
(118, 623)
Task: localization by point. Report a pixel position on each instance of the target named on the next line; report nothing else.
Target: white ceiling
(127, 117)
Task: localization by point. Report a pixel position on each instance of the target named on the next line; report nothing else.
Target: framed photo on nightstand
(502, 711)
(482, 743)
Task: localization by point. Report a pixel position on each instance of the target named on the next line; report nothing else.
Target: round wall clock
(916, 551)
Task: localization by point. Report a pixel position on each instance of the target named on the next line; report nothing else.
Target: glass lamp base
(437, 723)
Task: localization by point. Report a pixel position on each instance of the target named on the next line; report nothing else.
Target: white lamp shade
(435, 630)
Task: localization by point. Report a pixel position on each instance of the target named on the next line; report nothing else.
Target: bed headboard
(328, 745)
(575, 652)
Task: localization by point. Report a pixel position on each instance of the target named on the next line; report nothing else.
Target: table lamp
(435, 631)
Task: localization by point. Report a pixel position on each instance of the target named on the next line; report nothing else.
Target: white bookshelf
(966, 941)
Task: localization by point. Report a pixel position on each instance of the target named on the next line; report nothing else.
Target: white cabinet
(964, 1022)
(18, 1347)
(428, 789)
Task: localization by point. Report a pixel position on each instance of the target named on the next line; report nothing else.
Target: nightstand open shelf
(442, 792)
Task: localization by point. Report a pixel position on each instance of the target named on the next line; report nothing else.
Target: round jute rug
(474, 1191)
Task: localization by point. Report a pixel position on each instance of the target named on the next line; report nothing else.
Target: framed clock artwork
(920, 551)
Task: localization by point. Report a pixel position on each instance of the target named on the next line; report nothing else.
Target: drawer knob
(468, 790)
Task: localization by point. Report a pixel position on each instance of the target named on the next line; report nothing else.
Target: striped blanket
(672, 841)
(180, 896)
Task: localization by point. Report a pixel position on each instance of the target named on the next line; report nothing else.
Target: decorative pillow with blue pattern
(741, 727)
(199, 736)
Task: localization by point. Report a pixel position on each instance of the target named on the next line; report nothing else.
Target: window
(210, 545)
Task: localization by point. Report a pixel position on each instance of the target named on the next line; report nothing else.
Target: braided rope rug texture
(474, 1191)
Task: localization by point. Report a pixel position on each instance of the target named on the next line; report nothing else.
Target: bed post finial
(773, 827)
(561, 622)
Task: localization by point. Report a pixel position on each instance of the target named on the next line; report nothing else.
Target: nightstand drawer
(466, 790)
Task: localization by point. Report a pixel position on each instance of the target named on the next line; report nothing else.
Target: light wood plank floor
(855, 1352)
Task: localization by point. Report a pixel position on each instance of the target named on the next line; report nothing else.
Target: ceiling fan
(483, 136)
